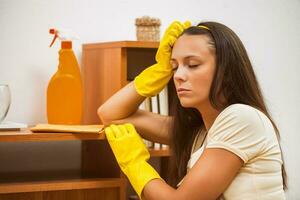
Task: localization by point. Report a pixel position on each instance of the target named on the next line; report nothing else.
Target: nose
(180, 74)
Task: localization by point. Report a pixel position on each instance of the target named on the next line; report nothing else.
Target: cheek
(203, 81)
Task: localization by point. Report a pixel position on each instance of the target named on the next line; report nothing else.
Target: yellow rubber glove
(131, 155)
(153, 79)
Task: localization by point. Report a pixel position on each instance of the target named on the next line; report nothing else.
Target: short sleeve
(238, 129)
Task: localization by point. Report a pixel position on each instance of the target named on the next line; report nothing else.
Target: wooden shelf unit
(102, 181)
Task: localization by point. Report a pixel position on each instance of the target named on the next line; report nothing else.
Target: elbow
(107, 117)
(103, 116)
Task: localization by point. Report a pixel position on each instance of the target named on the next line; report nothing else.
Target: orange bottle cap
(66, 44)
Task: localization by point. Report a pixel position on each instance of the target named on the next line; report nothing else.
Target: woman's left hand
(131, 155)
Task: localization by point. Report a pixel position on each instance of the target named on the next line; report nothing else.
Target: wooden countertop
(27, 135)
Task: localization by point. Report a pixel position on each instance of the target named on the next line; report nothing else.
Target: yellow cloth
(248, 133)
(131, 155)
(67, 128)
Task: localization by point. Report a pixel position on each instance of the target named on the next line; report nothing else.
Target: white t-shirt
(249, 134)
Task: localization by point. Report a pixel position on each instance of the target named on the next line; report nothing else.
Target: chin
(192, 102)
(187, 104)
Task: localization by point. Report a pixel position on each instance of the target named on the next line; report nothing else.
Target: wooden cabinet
(60, 184)
(98, 178)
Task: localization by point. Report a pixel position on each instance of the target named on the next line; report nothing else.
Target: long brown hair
(234, 78)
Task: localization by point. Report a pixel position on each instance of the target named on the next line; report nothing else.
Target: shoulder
(240, 129)
(241, 114)
(239, 118)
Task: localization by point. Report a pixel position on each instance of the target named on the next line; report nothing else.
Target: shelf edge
(74, 184)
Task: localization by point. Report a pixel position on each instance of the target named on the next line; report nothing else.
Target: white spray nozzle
(62, 34)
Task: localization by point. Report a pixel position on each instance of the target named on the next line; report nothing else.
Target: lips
(182, 90)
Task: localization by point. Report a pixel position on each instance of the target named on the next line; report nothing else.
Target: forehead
(192, 45)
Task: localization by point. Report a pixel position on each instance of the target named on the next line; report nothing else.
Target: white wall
(270, 31)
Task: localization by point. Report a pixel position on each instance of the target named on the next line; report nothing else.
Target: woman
(224, 142)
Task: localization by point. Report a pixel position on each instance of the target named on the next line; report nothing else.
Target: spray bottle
(65, 91)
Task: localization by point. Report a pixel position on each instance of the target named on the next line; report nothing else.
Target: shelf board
(122, 44)
(74, 184)
(27, 135)
(162, 152)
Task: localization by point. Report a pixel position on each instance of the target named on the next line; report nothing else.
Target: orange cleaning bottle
(65, 91)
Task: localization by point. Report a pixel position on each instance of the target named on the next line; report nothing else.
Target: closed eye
(174, 65)
(193, 66)
(174, 69)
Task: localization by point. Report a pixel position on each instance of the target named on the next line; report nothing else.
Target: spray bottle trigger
(53, 31)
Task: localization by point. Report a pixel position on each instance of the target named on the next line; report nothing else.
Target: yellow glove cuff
(152, 80)
(139, 175)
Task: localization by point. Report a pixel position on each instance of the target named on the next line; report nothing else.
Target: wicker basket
(147, 29)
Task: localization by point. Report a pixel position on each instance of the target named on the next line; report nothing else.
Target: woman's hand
(153, 79)
(172, 33)
(131, 155)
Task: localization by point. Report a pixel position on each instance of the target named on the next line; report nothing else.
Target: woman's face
(193, 62)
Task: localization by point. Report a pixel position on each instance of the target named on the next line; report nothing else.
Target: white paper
(12, 125)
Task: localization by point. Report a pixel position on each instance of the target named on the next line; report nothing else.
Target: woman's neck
(209, 114)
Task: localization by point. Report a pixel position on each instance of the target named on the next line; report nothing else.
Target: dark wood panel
(98, 160)
(138, 60)
(89, 194)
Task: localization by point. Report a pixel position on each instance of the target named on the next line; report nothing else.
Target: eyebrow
(188, 57)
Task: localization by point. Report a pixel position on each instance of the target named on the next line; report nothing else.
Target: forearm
(157, 189)
(140, 119)
(122, 108)
(121, 105)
